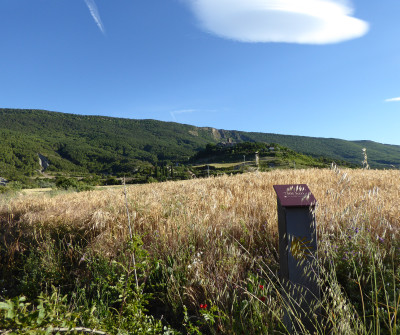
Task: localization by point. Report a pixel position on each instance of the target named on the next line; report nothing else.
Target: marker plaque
(297, 253)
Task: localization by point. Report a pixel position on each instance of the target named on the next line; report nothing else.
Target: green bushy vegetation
(72, 184)
(58, 282)
(220, 158)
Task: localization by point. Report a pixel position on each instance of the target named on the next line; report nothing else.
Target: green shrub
(47, 312)
(72, 184)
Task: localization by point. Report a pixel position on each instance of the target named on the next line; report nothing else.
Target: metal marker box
(298, 249)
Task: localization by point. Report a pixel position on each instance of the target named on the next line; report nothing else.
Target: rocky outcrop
(194, 132)
(44, 162)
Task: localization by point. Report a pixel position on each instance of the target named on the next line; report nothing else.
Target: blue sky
(320, 68)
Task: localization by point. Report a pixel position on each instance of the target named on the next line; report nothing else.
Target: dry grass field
(214, 241)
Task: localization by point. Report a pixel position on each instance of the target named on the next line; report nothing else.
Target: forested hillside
(98, 144)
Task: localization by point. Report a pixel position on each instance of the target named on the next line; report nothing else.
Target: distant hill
(249, 153)
(95, 144)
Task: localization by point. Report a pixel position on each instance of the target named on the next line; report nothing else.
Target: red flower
(262, 299)
(261, 287)
(203, 306)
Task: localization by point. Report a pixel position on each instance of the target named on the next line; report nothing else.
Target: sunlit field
(199, 256)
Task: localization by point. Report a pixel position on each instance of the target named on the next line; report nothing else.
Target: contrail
(95, 14)
(173, 113)
(393, 99)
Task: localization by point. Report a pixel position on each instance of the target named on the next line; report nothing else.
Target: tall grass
(210, 242)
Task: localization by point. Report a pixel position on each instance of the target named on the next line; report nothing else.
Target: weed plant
(206, 256)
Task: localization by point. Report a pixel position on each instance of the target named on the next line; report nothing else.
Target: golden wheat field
(212, 234)
(205, 212)
(211, 207)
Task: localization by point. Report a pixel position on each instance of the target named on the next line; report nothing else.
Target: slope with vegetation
(82, 145)
(269, 155)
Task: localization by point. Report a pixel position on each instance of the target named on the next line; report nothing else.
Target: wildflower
(203, 306)
(381, 239)
(261, 287)
(262, 299)
(83, 259)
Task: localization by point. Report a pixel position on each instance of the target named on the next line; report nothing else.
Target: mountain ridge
(92, 143)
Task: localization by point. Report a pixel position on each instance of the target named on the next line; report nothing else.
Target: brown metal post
(297, 256)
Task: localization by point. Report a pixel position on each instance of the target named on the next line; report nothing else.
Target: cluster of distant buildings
(229, 143)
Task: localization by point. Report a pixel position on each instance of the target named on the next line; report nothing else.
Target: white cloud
(291, 21)
(95, 14)
(393, 99)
